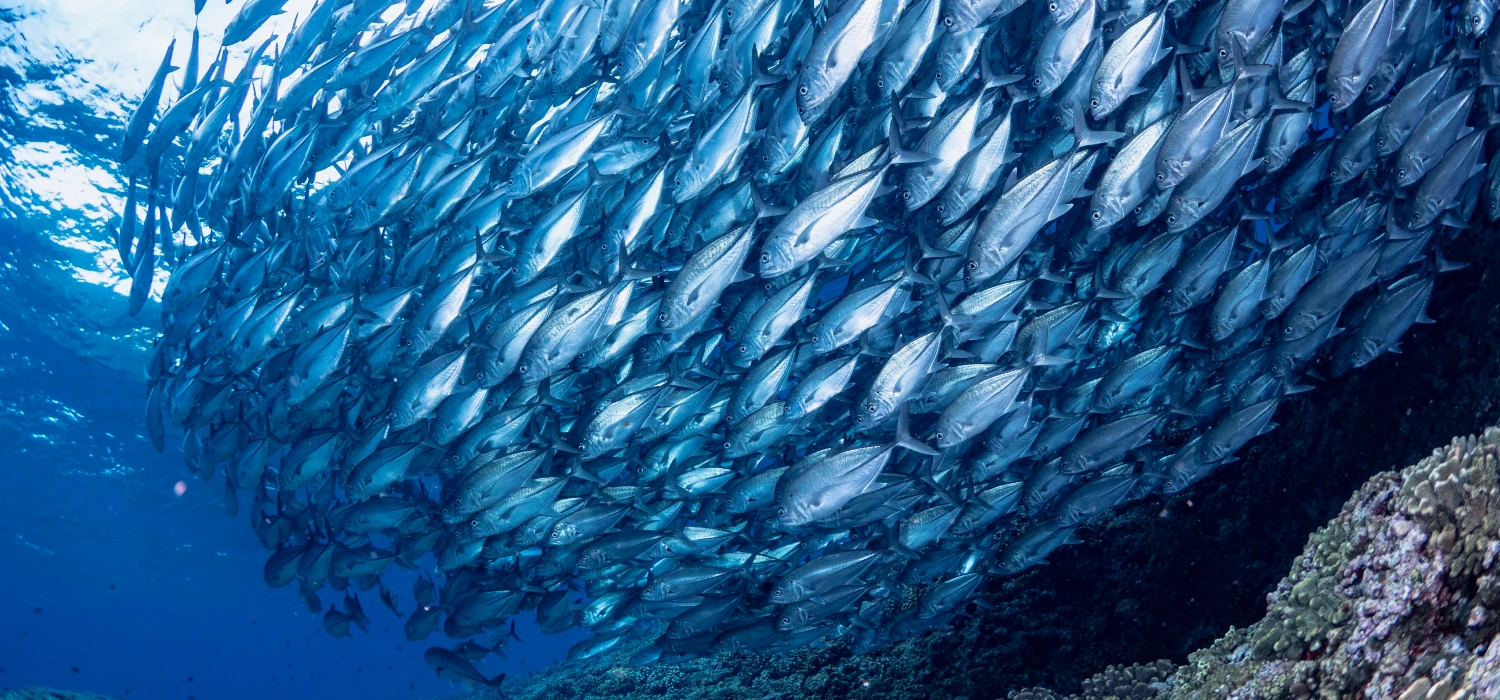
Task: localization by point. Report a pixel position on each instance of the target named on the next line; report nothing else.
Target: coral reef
(48, 694)
(1392, 599)
(1395, 598)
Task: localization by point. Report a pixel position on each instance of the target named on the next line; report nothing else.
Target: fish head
(776, 259)
(340, 195)
(785, 593)
(1424, 211)
(1278, 154)
(1410, 168)
(1182, 212)
(1219, 329)
(823, 340)
(532, 369)
(960, 16)
(521, 180)
(1102, 102)
(1381, 81)
(951, 206)
(950, 433)
(689, 182)
(1298, 326)
(1177, 300)
(980, 267)
(813, 90)
(949, 71)
(361, 217)
(1344, 90)
(793, 513)
(1365, 352)
(887, 80)
(471, 530)
(1014, 561)
(1476, 21)
(745, 352)
(1170, 171)
(917, 190)
(656, 591)
(1388, 139)
(360, 487)
(1345, 169)
(1105, 212)
(673, 314)
(1063, 10)
(1045, 78)
(871, 412)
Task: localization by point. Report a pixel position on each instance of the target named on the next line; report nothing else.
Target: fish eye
(728, 12)
(880, 83)
(1094, 103)
(1401, 173)
(940, 207)
(1097, 216)
(523, 369)
(1052, 7)
(1223, 53)
(1036, 82)
(974, 265)
(802, 90)
(474, 523)
(1380, 143)
(906, 194)
(1171, 218)
(948, 21)
(765, 257)
(1333, 98)
(662, 317)
(938, 435)
(781, 512)
(744, 349)
(872, 408)
(726, 445)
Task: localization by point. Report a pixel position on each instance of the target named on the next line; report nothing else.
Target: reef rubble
(1397, 597)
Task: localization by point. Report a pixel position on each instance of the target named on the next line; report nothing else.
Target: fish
(738, 314)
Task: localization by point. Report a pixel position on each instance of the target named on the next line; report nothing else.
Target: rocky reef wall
(1164, 577)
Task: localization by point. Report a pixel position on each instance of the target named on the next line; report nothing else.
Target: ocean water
(110, 581)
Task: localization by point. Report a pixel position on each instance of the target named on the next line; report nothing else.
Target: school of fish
(750, 324)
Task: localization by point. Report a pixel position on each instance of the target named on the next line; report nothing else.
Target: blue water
(109, 581)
